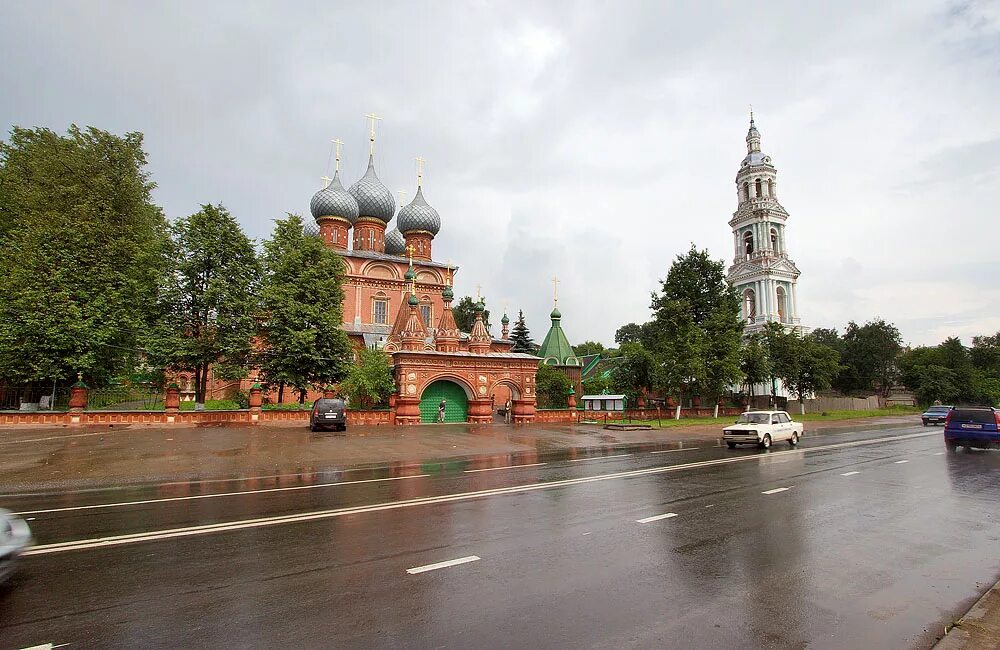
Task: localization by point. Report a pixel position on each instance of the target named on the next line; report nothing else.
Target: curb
(979, 628)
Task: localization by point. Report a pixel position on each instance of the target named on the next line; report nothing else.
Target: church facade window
(748, 244)
(757, 186)
(749, 305)
(380, 311)
(782, 307)
(774, 240)
(770, 188)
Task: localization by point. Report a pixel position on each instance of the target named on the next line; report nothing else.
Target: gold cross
(372, 117)
(555, 290)
(326, 181)
(420, 170)
(402, 197)
(479, 292)
(410, 249)
(338, 143)
(448, 280)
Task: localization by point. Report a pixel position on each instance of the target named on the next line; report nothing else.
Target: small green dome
(505, 320)
(410, 274)
(447, 294)
(555, 315)
(413, 302)
(481, 305)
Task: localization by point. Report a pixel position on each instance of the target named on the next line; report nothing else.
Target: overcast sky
(593, 141)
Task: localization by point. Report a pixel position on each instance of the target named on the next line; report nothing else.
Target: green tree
(303, 343)
(985, 354)
(208, 303)
(598, 384)
(696, 330)
(630, 333)
(551, 388)
(465, 315)
(869, 354)
(521, 336)
(587, 348)
(755, 363)
(634, 374)
(802, 364)
(81, 250)
(369, 381)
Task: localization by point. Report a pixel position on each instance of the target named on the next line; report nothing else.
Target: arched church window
(758, 187)
(748, 243)
(749, 305)
(774, 240)
(746, 191)
(782, 307)
(770, 188)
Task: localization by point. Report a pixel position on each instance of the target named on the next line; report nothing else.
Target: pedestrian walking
(441, 411)
(506, 412)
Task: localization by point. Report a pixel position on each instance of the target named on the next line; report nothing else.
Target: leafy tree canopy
(551, 388)
(303, 343)
(634, 375)
(369, 381)
(208, 299)
(82, 249)
(465, 314)
(587, 348)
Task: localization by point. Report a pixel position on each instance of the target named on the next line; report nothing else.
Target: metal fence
(34, 398)
(125, 398)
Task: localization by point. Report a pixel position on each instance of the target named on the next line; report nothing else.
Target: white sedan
(761, 428)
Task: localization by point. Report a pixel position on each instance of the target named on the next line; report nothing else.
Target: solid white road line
(900, 462)
(656, 518)
(850, 473)
(670, 451)
(441, 565)
(493, 469)
(775, 490)
(577, 460)
(207, 529)
(214, 496)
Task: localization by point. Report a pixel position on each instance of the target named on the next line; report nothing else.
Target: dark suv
(972, 426)
(328, 412)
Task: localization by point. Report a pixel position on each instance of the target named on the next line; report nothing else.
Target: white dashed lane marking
(900, 462)
(442, 565)
(668, 451)
(656, 518)
(577, 460)
(850, 473)
(492, 469)
(776, 490)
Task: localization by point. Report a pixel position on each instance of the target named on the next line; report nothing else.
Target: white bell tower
(762, 273)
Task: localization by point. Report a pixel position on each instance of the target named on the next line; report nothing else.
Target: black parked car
(328, 413)
(935, 415)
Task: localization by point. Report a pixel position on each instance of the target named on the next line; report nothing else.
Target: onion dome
(413, 301)
(480, 306)
(410, 274)
(334, 201)
(556, 314)
(374, 199)
(448, 294)
(505, 320)
(394, 242)
(419, 215)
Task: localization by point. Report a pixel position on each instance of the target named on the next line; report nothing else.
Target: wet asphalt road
(869, 546)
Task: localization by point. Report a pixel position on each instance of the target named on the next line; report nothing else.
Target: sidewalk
(40, 459)
(979, 629)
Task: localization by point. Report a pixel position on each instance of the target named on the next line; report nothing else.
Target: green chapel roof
(555, 349)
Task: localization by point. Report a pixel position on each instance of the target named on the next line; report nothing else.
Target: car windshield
(939, 409)
(754, 418)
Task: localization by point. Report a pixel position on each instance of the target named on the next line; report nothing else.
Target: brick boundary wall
(245, 416)
(554, 416)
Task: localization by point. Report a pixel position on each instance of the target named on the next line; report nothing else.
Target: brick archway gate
(477, 374)
(453, 395)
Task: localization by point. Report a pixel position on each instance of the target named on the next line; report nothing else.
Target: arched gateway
(456, 402)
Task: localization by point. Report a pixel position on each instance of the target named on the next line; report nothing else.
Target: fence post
(256, 399)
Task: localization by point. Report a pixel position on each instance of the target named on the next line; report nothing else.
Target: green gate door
(456, 403)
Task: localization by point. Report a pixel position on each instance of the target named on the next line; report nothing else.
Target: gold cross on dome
(555, 290)
(372, 117)
(479, 292)
(420, 170)
(337, 144)
(402, 197)
(410, 249)
(326, 181)
(448, 280)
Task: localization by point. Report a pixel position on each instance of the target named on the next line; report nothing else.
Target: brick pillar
(407, 410)
(172, 399)
(571, 398)
(78, 395)
(256, 400)
(480, 411)
(524, 411)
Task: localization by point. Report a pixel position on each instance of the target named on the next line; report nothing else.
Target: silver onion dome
(394, 242)
(374, 199)
(334, 201)
(419, 215)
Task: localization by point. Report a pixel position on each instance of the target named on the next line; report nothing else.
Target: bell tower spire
(762, 272)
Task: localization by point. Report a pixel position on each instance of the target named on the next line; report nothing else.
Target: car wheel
(312, 427)
(951, 446)
(766, 442)
(925, 423)
(794, 440)
(731, 445)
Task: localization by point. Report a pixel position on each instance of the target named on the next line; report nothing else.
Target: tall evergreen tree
(520, 335)
(303, 343)
(208, 301)
(81, 249)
